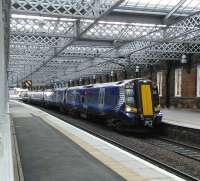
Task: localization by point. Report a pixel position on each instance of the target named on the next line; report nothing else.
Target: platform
(183, 118)
(51, 149)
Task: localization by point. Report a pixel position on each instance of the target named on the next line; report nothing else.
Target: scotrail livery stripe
(146, 100)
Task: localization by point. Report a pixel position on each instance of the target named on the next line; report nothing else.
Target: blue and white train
(125, 104)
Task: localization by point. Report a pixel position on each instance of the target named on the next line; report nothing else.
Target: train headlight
(128, 109)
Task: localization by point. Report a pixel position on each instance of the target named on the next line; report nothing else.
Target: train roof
(115, 84)
(118, 83)
(76, 87)
(60, 89)
(108, 84)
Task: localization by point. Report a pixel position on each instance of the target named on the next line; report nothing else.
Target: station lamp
(70, 83)
(137, 69)
(184, 59)
(111, 73)
(94, 79)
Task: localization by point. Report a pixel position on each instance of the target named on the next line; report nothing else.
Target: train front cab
(142, 103)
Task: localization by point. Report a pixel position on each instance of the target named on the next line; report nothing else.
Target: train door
(74, 98)
(146, 101)
(101, 99)
(84, 100)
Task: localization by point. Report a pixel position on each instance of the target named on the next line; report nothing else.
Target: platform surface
(185, 118)
(53, 150)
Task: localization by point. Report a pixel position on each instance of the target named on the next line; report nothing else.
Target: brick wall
(188, 98)
(189, 82)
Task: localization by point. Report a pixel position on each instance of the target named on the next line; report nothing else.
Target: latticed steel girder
(100, 69)
(67, 28)
(121, 31)
(172, 33)
(193, 37)
(44, 39)
(86, 51)
(155, 55)
(44, 52)
(26, 52)
(34, 62)
(43, 26)
(84, 27)
(39, 41)
(41, 53)
(143, 57)
(52, 31)
(159, 47)
(67, 8)
(116, 64)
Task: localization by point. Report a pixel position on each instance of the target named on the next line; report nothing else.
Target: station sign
(27, 84)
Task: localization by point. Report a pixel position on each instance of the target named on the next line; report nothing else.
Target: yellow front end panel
(146, 100)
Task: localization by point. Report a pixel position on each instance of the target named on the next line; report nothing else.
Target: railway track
(134, 151)
(177, 147)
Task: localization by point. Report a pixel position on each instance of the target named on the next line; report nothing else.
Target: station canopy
(63, 40)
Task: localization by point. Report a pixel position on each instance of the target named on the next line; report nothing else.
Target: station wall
(179, 83)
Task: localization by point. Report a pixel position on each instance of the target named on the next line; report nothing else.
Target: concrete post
(3, 74)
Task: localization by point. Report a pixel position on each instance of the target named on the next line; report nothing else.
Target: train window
(120, 82)
(129, 96)
(82, 99)
(70, 97)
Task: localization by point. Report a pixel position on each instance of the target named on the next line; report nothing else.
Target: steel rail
(189, 151)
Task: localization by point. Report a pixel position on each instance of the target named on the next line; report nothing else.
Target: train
(128, 104)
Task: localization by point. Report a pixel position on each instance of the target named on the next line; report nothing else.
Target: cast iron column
(3, 74)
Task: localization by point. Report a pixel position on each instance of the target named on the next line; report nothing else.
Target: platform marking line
(105, 159)
(18, 172)
(57, 121)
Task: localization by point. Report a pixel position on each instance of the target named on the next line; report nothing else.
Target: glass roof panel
(189, 6)
(150, 4)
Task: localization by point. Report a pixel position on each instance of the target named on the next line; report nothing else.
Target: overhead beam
(67, 8)
(179, 31)
(174, 9)
(70, 42)
(133, 11)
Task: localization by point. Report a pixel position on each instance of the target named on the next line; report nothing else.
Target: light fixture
(111, 73)
(184, 59)
(137, 68)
